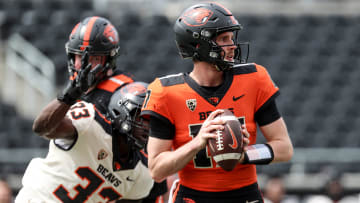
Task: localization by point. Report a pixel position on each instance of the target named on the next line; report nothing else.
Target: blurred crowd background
(310, 47)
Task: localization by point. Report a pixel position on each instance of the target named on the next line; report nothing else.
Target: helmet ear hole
(215, 18)
(116, 112)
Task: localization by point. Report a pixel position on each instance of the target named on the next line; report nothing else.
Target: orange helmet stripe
(88, 32)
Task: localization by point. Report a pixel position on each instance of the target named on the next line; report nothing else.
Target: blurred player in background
(5, 192)
(92, 158)
(275, 191)
(181, 109)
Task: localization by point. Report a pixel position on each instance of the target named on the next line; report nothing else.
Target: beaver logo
(136, 88)
(197, 17)
(102, 154)
(111, 33)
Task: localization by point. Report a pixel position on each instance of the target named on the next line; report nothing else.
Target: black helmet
(124, 110)
(198, 26)
(97, 36)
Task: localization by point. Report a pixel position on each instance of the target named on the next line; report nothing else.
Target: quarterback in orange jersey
(182, 108)
(94, 129)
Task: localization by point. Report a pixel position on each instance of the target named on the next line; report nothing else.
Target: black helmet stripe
(234, 21)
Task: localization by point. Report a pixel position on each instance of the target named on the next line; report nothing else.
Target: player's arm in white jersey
(52, 123)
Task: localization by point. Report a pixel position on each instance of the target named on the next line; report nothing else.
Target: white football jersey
(83, 171)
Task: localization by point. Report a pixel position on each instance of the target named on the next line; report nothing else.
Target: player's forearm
(50, 118)
(170, 162)
(283, 150)
(278, 138)
(281, 146)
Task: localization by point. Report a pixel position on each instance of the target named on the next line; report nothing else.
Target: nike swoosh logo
(234, 145)
(237, 98)
(129, 179)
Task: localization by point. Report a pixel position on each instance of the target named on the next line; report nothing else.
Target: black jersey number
(202, 159)
(77, 114)
(84, 193)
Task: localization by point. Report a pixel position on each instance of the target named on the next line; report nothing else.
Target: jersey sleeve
(82, 115)
(155, 103)
(267, 89)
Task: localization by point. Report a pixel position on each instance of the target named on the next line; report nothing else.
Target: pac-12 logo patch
(102, 154)
(191, 104)
(197, 17)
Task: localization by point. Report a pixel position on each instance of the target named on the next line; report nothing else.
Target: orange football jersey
(185, 104)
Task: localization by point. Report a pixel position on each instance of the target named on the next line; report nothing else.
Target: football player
(91, 158)
(181, 108)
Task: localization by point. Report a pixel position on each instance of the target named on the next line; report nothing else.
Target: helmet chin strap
(215, 57)
(221, 68)
(222, 65)
(217, 68)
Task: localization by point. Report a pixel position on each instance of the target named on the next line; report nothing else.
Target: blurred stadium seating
(314, 59)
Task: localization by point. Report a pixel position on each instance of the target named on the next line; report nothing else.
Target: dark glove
(78, 85)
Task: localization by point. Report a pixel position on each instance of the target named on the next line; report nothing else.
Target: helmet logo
(197, 17)
(214, 100)
(111, 34)
(134, 88)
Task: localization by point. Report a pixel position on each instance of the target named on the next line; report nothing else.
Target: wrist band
(259, 154)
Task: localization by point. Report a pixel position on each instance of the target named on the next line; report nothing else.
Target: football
(226, 149)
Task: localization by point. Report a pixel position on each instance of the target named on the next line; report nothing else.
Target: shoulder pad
(170, 80)
(244, 68)
(81, 115)
(114, 82)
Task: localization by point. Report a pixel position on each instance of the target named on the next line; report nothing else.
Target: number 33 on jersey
(83, 170)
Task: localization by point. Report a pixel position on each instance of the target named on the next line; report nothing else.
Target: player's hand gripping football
(246, 134)
(246, 141)
(209, 127)
(79, 82)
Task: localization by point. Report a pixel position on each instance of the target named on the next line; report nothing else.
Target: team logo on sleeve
(102, 154)
(191, 104)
